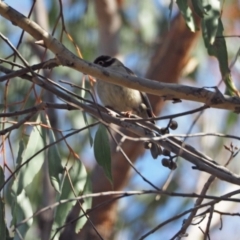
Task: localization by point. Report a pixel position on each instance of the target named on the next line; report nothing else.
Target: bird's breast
(118, 97)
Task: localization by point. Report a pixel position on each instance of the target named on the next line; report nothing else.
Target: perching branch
(66, 58)
(201, 161)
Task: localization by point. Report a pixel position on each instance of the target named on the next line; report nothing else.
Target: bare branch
(142, 192)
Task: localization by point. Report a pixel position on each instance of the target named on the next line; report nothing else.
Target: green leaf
(198, 8)
(89, 132)
(20, 203)
(21, 209)
(187, 14)
(87, 204)
(83, 93)
(20, 152)
(3, 227)
(1, 176)
(78, 180)
(29, 170)
(219, 50)
(54, 160)
(102, 150)
(210, 23)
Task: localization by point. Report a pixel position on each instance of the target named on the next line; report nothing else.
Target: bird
(124, 99)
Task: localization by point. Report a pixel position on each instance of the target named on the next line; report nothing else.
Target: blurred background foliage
(142, 25)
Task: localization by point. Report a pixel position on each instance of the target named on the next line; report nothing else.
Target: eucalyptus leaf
(219, 50)
(54, 160)
(21, 209)
(34, 145)
(102, 151)
(73, 183)
(1, 176)
(187, 14)
(83, 95)
(20, 152)
(87, 203)
(3, 227)
(20, 203)
(210, 22)
(198, 8)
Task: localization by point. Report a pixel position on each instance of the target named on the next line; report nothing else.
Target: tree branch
(167, 91)
(201, 161)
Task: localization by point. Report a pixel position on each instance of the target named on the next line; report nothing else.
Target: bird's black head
(104, 61)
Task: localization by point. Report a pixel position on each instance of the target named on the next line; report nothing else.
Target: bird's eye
(100, 62)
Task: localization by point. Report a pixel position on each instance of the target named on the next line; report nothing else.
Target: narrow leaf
(78, 178)
(3, 227)
(83, 93)
(54, 160)
(219, 50)
(102, 151)
(198, 8)
(87, 204)
(21, 209)
(20, 152)
(211, 21)
(1, 176)
(29, 171)
(187, 14)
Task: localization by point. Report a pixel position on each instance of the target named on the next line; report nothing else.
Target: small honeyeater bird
(124, 99)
